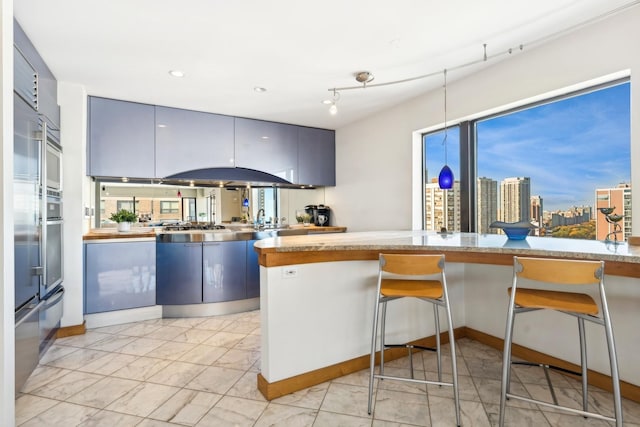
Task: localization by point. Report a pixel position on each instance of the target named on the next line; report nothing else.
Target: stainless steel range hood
(216, 177)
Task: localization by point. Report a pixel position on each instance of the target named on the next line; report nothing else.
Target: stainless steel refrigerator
(29, 270)
(38, 223)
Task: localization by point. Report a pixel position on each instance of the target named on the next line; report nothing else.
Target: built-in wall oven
(52, 233)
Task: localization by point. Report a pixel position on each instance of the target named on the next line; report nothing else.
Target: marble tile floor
(202, 372)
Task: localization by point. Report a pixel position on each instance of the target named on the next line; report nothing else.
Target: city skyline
(572, 147)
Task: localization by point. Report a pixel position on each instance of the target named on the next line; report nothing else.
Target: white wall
(7, 346)
(374, 155)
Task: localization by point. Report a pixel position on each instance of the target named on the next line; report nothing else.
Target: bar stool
(412, 276)
(581, 306)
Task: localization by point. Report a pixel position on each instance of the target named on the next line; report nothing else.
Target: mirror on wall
(157, 204)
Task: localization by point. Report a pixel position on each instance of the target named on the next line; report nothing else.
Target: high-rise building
(487, 204)
(620, 199)
(515, 194)
(442, 207)
(535, 213)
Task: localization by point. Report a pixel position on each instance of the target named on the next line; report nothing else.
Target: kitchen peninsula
(316, 296)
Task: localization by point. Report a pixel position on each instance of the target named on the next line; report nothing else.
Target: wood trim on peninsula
(271, 257)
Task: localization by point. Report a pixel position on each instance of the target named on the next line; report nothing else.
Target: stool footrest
(542, 365)
(563, 408)
(412, 380)
(419, 347)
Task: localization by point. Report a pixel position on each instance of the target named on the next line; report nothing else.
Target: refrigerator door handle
(38, 270)
(33, 307)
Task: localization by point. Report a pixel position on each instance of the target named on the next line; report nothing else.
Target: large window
(554, 164)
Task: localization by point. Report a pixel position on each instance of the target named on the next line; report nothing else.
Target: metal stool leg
(506, 360)
(613, 360)
(382, 333)
(583, 363)
(454, 362)
(372, 360)
(438, 352)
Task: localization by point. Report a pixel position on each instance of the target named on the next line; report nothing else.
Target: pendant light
(445, 178)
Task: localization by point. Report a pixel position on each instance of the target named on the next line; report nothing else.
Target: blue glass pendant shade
(445, 179)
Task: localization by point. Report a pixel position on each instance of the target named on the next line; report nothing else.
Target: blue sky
(568, 148)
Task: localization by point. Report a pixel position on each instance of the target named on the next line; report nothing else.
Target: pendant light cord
(444, 141)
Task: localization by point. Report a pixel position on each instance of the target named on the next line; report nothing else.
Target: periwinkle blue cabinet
(253, 271)
(179, 267)
(47, 86)
(193, 273)
(268, 147)
(128, 139)
(121, 139)
(224, 268)
(316, 157)
(119, 275)
(188, 140)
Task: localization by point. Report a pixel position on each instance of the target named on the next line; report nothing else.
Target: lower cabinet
(119, 275)
(179, 267)
(253, 271)
(193, 273)
(224, 267)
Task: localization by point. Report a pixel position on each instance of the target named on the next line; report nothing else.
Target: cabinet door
(268, 147)
(189, 140)
(47, 103)
(119, 276)
(253, 271)
(224, 269)
(121, 139)
(179, 267)
(316, 157)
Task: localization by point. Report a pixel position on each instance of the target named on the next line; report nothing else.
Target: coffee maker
(320, 214)
(324, 216)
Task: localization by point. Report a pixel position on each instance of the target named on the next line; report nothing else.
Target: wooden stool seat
(556, 300)
(411, 288)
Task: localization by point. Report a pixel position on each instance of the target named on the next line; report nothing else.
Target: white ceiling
(296, 49)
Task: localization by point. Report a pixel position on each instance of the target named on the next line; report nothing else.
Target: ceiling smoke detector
(364, 77)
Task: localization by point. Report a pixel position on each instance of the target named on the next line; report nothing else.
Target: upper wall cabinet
(188, 140)
(121, 139)
(316, 157)
(267, 146)
(47, 86)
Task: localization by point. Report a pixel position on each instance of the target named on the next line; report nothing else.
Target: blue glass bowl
(516, 233)
(514, 230)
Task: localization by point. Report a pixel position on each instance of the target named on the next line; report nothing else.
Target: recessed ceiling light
(259, 89)
(162, 126)
(176, 73)
(264, 137)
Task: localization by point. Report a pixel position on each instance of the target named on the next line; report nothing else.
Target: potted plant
(124, 218)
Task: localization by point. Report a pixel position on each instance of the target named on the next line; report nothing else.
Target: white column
(7, 332)
(72, 99)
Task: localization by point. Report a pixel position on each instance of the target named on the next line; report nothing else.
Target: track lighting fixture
(333, 108)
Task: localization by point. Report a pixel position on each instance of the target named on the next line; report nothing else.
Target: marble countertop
(147, 232)
(459, 242)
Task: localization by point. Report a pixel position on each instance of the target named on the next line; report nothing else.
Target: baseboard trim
(289, 385)
(597, 379)
(69, 331)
